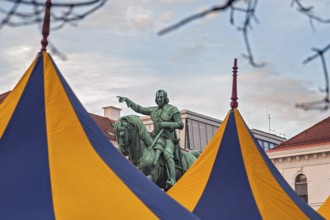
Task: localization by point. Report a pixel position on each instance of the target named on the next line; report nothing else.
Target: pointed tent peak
(211, 186)
(234, 103)
(46, 25)
(59, 124)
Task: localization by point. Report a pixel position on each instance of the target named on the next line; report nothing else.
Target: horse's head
(132, 136)
(124, 132)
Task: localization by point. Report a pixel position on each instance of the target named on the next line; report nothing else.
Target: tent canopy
(234, 179)
(55, 163)
(324, 210)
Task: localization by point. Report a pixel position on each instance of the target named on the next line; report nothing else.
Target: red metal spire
(234, 103)
(45, 26)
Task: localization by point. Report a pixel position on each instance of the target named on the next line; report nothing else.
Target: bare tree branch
(30, 12)
(323, 104)
(56, 52)
(9, 14)
(249, 12)
(14, 17)
(308, 11)
(65, 5)
(202, 14)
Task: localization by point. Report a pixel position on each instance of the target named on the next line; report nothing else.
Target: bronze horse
(135, 142)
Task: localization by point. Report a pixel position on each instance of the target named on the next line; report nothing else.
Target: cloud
(191, 51)
(267, 93)
(261, 92)
(167, 16)
(125, 17)
(116, 51)
(129, 17)
(15, 60)
(97, 81)
(142, 22)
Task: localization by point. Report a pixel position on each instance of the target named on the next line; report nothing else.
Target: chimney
(112, 112)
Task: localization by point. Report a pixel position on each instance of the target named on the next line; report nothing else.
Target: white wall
(315, 166)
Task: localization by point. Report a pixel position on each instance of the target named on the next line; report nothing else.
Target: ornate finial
(234, 103)
(45, 26)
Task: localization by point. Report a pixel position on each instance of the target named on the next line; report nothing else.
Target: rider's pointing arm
(137, 108)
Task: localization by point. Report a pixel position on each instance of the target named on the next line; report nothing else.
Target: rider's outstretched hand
(121, 98)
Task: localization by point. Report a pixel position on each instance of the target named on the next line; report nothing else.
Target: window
(301, 187)
(266, 145)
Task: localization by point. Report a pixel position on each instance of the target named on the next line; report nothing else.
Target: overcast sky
(116, 51)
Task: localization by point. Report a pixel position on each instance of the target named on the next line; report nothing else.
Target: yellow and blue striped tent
(324, 210)
(234, 179)
(56, 164)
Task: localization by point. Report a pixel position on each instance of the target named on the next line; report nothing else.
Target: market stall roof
(55, 163)
(234, 179)
(324, 210)
(104, 123)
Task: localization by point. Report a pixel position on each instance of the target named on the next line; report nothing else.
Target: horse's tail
(187, 159)
(195, 153)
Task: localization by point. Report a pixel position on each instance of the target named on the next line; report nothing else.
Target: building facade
(199, 129)
(267, 140)
(304, 162)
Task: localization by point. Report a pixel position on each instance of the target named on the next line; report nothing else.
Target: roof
(3, 96)
(102, 122)
(56, 164)
(316, 135)
(234, 173)
(265, 135)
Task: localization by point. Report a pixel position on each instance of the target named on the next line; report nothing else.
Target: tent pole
(234, 103)
(45, 26)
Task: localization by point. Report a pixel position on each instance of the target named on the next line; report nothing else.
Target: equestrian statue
(157, 154)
